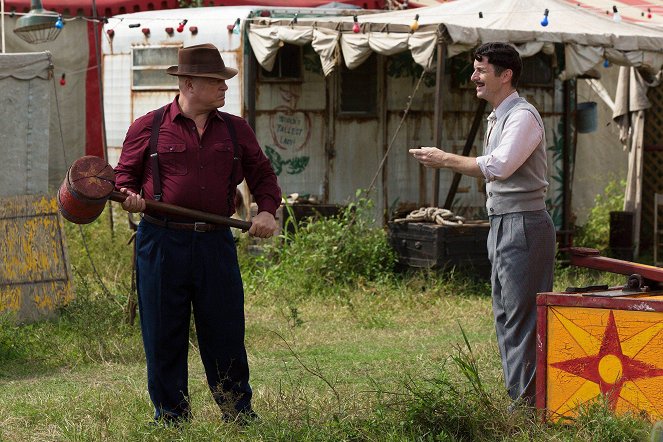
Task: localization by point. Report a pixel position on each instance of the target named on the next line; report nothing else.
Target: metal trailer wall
(316, 150)
(124, 102)
(330, 156)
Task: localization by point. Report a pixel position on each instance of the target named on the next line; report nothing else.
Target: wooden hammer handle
(197, 215)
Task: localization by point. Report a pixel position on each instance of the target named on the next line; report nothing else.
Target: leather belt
(195, 226)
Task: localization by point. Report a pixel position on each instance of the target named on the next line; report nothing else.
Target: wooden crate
(428, 245)
(588, 346)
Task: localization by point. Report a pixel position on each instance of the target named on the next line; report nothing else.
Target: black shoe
(242, 418)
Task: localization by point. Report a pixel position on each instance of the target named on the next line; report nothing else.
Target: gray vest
(525, 190)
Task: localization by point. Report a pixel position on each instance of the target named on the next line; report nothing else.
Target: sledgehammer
(90, 182)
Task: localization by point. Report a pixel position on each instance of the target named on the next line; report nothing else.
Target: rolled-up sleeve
(520, 136)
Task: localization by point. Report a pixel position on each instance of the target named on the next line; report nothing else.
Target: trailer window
(359, 89)
(288, 65)
(148, 68)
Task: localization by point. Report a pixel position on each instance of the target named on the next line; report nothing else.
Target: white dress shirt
(520, 136)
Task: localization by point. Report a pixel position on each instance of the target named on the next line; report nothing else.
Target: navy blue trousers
(179, 271)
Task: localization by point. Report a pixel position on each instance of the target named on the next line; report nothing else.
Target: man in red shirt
(201, 155)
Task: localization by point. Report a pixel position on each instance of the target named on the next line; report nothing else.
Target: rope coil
(435, 215)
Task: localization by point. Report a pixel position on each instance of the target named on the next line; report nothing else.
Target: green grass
(381, 357)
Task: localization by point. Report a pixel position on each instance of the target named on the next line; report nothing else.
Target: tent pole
(2, 24)
(251, 73)
(569, 103)
(439, 112)
(384, 135)
(97, 54)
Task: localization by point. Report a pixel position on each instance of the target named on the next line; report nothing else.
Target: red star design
(588, 367)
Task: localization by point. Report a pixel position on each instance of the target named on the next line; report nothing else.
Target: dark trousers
(178, 270)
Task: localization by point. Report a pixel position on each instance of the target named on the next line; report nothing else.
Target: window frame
(160, 68)
(374, 112)
(263, 75)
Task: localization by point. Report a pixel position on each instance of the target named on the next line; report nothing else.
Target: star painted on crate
(610, 368)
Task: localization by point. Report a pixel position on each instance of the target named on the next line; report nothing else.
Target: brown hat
(201, 61)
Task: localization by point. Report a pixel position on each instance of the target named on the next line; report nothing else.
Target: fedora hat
(201, 61)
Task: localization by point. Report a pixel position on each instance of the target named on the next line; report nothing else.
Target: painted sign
(594, 352)
(291, 131)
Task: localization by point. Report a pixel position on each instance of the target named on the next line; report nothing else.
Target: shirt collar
(176, 111)
(504, 105)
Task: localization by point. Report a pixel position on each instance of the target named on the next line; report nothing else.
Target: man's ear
(506, 76)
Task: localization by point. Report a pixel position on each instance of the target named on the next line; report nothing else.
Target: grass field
(374, 358)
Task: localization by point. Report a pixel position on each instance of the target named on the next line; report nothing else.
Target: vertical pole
(2, 23)
(566, 158)
(384, 134)
(439, 113)
(423, 186)
(97, 54)
(331, 84)
(250, 75)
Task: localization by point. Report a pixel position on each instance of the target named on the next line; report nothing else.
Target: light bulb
(62, 80)
(616, 16)
(544, 22)
(415, 24)
(180, 28)
(355, 26)
(59, 23)
(606, 63)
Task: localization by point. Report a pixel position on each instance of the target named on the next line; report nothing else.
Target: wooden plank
(541, 358)
(35, 278)
(648, 302)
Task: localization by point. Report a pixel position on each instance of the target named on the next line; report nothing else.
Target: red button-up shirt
(196, 170)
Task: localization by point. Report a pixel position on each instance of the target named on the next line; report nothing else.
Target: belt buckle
(199, 227)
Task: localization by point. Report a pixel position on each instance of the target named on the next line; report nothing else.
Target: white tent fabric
(24, 122)
(589, 37)
(629, 113)
(324, 43)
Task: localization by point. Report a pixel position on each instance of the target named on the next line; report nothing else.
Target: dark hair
(503, 56)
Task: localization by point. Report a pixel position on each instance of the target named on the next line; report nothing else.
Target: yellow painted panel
(34, 270)
(10, 298)
(616, 353)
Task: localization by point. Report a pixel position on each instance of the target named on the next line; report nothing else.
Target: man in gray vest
(521, 242)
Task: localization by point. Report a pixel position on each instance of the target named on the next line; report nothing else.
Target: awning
(589, 37)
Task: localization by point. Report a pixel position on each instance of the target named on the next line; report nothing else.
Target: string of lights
(644, 10)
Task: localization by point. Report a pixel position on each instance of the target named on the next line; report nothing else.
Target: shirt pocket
(172, 159)
(223, 158)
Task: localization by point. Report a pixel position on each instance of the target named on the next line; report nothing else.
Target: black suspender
(154, 137)
(233, 137)
(156, 125)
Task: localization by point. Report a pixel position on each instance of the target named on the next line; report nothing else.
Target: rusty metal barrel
(85, 189)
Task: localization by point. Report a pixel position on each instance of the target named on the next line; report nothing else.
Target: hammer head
(85, 189)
